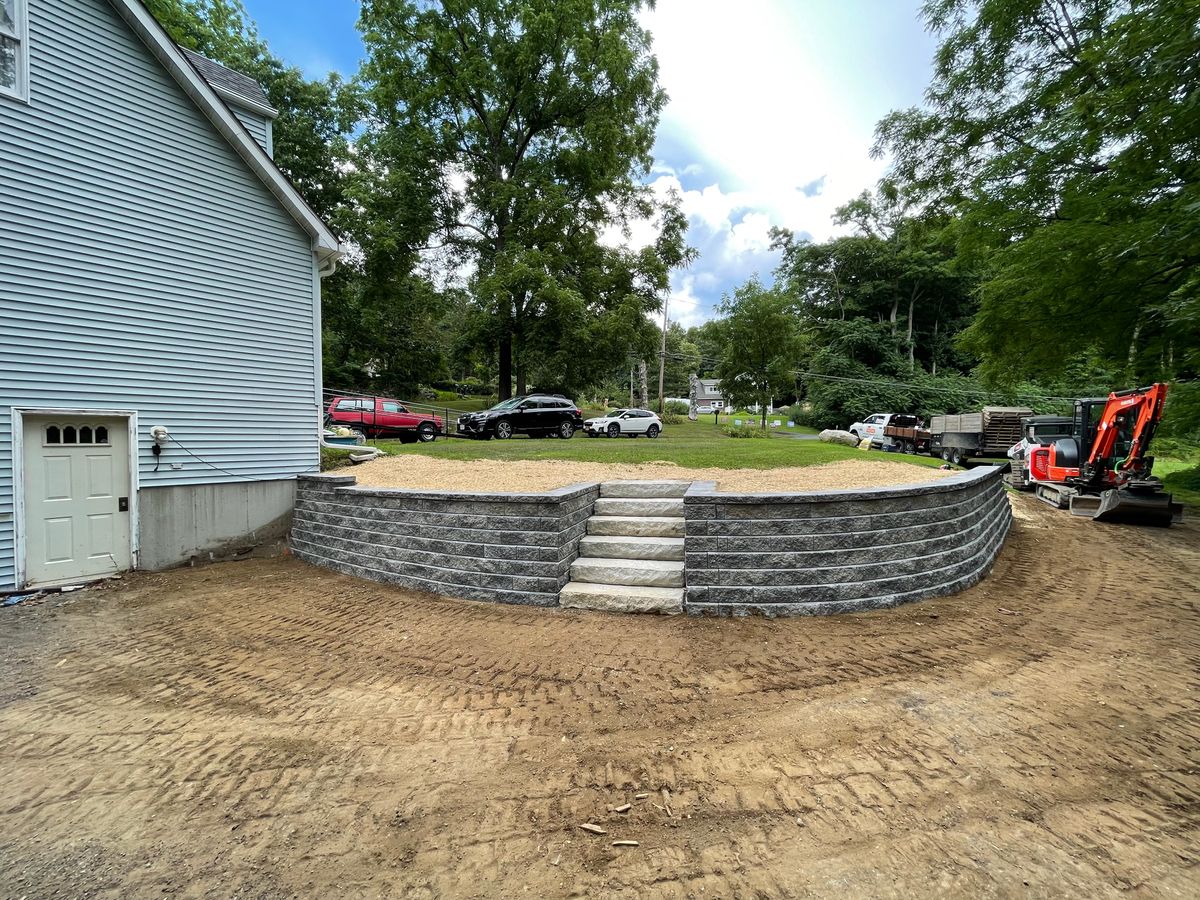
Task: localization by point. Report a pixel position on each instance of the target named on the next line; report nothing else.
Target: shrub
(671, 418)
(677, 407)
(334, 459)
(746, 431)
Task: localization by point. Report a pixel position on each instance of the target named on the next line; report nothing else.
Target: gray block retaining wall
(777, 554)
(510, 548)
(841, 551)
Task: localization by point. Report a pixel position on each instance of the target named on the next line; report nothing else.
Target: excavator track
(1057, 495)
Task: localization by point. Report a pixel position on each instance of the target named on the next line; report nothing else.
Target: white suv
(631, 422)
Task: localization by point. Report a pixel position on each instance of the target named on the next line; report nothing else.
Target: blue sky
(770, 122)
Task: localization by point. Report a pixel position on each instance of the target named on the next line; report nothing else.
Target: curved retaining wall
(510, 548)
(841, 551)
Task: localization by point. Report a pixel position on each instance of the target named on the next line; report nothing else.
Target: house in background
(160, 295)
(704, 395)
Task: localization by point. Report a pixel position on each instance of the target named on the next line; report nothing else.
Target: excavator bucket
(1129, 507)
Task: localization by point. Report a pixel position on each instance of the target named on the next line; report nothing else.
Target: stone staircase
(631, 559)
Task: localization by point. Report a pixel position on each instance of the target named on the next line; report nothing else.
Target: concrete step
(636, 526)
(638, 507)
(621, 598)
(617, 547)
(642, 572)
(644, 489)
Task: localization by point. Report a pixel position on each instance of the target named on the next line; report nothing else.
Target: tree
(759, 354)
(540, 116)
(898, 269)
(1077, 182)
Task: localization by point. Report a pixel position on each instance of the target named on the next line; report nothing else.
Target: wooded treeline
(1036, 236)
(1038, 231)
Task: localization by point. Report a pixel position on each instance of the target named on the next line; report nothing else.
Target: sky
(772, 109)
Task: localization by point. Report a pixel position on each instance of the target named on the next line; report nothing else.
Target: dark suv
(538, 415)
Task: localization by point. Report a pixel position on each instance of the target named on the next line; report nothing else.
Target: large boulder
(834, 436)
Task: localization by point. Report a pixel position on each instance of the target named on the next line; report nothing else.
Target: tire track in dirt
(269, 729)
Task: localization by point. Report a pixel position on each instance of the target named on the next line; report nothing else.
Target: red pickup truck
(381, 417)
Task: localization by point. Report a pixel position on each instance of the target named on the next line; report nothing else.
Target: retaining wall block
(509, 548)
(841, 551)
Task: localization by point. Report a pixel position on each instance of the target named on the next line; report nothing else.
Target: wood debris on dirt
(594, 829)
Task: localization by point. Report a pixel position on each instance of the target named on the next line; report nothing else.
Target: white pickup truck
(872, 427)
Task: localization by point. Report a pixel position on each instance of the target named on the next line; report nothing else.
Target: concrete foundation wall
(510, 548)
(183, 522)
(841, 551)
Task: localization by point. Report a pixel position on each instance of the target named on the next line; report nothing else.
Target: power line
(892, 383)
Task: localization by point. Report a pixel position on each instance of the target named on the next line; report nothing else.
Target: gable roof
(204, 95)
(232, 85)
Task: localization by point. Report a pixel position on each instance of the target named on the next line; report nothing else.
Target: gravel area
(415, 471)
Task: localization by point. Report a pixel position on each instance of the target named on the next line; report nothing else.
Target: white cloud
(750, 235)
(770, 120)
(684, 306)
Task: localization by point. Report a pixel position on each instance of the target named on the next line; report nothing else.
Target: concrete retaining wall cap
(570, 492)
(700, 492)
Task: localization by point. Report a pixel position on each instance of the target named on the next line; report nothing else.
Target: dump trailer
(987, 433)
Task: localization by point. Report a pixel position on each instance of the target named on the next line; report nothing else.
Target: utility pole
(662, 357)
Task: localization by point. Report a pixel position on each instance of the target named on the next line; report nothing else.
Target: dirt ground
(265, 729)
(415, 471)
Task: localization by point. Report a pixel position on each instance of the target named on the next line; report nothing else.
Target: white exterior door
(76, 498)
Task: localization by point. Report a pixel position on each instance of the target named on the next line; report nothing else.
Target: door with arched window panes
(76, 484)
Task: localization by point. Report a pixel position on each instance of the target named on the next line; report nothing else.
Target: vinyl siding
(255, 124)
(144, 266)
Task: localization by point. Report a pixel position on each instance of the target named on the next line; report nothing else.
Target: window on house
(14, 49)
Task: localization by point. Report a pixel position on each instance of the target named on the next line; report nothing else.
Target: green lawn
(1181, 477)
(692, 444)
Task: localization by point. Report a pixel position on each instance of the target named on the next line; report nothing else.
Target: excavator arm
(1141, 408)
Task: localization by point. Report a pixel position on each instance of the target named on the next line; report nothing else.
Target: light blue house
(160, 295)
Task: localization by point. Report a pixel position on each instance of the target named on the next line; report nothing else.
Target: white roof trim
(325, 243)
(267, 112)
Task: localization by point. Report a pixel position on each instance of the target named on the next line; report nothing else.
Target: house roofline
(325, 244)
(267, 112)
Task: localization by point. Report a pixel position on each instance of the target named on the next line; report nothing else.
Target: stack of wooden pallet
(1002, 426)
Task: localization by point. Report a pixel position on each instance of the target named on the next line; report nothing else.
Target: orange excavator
(1102, 470)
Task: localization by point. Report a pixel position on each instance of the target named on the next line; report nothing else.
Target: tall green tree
(897, 269)
(758, 361)
(1066, 133)
(539, 116)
